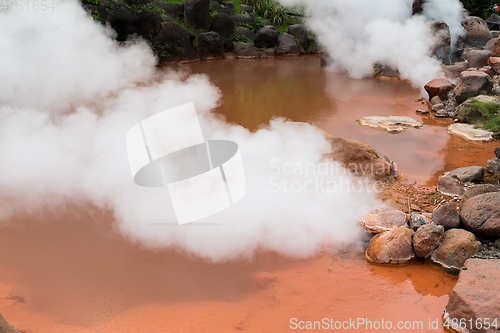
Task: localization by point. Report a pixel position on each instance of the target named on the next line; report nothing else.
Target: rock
(450, 186)
(245, 50)
(493, 18)
(299, 31)
(472, 83)
(435, 100)
(214, 5)
(391, 247)
(228, 8)
(493, 166)
(246, 8)
(126, 21)
(490, 45)
(287, 45)
(440, 88)
(447, 216)
(383, 219)
(467, 114)
(180, 8)
(5, 327)
(477, 190)
(427, 238)
(170, 10)
(197, 14)
(442, 46)
(417, 7)
(497, 151)
(475, 296)
(178, 43)
(267, 37)
(245, 18)
(469, 132)
(477, 32)
(467, 174)
(224, 25)
(360, 159)
(228, 46)
(458, 246)
(481, 214)
(478, 58)
(245, 32)
(454, 71)
(495, 52)
(209, 45)
(416, 221)
(268, 53)
(265, 21)
(494, 63)
(391, 124)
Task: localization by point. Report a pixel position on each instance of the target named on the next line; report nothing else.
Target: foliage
(241, 39)
(480, 113)
(278, 15)
(481, 8)
(185, 26)
(158, 47)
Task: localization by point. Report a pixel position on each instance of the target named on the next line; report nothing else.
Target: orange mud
(67, 270)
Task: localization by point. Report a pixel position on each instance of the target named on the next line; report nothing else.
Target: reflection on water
(300, 90)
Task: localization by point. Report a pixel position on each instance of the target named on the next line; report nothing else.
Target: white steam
(68, 96)
(360, 33)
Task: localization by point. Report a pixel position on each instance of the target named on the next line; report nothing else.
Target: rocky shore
(201, 29)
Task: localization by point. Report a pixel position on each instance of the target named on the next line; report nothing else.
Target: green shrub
(277, 14)
(481, 8)
(241, 39)
(480, 113)
(158, 48)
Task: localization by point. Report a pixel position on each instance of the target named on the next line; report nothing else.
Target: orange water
(67, 270)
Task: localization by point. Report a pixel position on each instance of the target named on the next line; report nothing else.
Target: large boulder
(299, 31)
(245, 50)
(246, 8)
(127, 21)
(224, 25)
(472, 83)
(170, 9)
(450, 186)
(228, 8)
(477, 33)
(178, 43)
(475, 299)
(266, 37)
(427, 238)
(495, 52)
(287, 45)
(467, 114)
(360, 159)
(209, 45)
(467, 174)
(478, 58)
(242, 31)
(383, 219)
(490, 45)
(391, 247)
(440, 88)
(458, 246)
(497, 151)
(481, 214)
(453, 71)
(493, 166)
(441, 50)
(494, 63)
(5, 327)
(246, 19)
(197, 14)
(477, 190)
(447, 216)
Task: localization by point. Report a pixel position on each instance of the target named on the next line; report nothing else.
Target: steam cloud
(359, 33)
(68, 96)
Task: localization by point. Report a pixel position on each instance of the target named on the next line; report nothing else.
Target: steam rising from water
(68, 96)
(359, 33)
